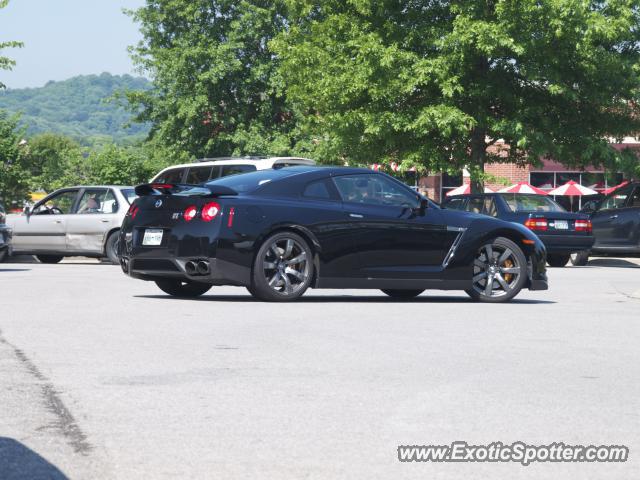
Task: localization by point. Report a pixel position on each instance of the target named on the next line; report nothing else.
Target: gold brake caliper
(508, 264)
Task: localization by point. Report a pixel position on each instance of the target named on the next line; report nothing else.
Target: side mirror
(27, 211)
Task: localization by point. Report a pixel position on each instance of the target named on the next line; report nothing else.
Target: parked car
(562, 232)
(72, 221)
(211, 168)
(616, 224)
(278, 232)
(5, 236)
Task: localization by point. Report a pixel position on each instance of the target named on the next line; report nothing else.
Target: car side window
(618, 199)
(96, 200)
(234, 169)
(375, 189)
(634, 201)
(171, 176)
(490, 207)
(455, 204)
(475, 205)
(317, 189)
(198, 175)
(58, 204)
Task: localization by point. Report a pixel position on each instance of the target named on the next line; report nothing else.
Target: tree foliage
(54, 161)
(14, 177)
(7, 63)
(438, 83)
(83, 108)
(214, 86)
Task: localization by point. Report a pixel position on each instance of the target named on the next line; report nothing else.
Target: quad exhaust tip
(197, 267)
(203, 267)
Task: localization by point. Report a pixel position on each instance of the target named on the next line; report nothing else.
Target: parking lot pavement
(102, 376)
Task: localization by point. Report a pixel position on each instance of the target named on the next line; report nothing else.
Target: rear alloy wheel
(557, 261)
(499, 271)
(406, 294)
(283, 268)
(111, 248)
(580, 259)
(49, 258)
(183, 289)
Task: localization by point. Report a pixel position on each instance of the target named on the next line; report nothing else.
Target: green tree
(14, 176)
(116, 165)
(214, 90)
(437, 84)
(50, 157)
(5, 62)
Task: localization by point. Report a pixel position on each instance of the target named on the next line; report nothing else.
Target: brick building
(550, 174)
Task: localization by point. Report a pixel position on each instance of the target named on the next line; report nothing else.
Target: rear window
(235, 169)
(531, 203)
(248, 182)
(129, 194)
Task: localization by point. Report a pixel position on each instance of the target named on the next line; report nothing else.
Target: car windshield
(247, 182)
(129, 194)
(520, 202)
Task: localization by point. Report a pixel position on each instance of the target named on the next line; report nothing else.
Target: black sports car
(279, 232)
(563, 233)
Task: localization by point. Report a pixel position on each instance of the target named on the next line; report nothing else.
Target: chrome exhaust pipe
(203, 267)
(190, 268)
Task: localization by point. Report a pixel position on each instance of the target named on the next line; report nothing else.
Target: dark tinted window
(317, 189)
(171, 176)
(490, 207)
(375, 189)
(198, 175)
(635, 198)
(455, 203)
(617, 199)
(252, 180)
(234, 169)
(475, 205)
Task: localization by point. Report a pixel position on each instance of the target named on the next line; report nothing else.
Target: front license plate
(562, 225)
(152, 237)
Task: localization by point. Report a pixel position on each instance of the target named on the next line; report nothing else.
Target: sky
(65, 38)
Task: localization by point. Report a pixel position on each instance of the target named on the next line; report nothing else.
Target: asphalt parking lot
(103, 376)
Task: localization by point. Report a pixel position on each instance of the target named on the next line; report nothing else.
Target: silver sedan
(72, 221)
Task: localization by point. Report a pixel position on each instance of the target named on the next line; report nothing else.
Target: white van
(211, 168)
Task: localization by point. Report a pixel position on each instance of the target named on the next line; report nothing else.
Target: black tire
(557, 261)
(49, 258)
(406, 294)
(183, 289)
(111, 247)
(283, 268)
(4, 255)
(512, 270)
(580, 259)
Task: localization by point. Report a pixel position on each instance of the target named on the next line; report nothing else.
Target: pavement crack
(65, 424)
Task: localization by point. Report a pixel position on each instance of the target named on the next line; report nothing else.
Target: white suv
(210, 168)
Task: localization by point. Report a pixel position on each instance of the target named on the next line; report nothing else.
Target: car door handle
(613, 217)
(58, 221)
(105, 221)
(356, 215)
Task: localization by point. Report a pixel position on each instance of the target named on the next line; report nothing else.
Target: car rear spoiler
(146, 189)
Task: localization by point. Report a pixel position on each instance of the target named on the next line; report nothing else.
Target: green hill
(78, 107)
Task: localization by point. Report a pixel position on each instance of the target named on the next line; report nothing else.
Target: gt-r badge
(158, 203)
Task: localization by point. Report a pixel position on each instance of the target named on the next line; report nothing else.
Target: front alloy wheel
(499, 271)
(283, 268)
